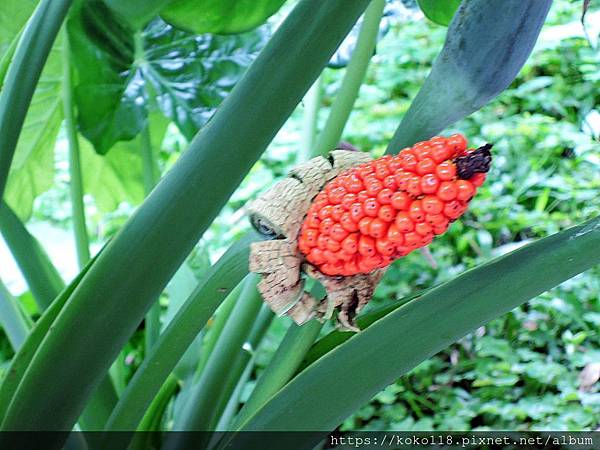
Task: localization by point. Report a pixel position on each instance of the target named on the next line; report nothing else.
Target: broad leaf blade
(347, 377)
(220, 16)
(439, 11)
(487, 44)
(122, 74)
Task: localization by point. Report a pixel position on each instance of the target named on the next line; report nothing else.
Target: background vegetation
(536, 367)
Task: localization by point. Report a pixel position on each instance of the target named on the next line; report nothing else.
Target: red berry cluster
(378, 211)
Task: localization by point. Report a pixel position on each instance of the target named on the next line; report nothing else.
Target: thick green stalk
(355, 74)
(312, 104)
(245, 365)
(213, 333)
(7, 58)
(42, 277)
(208, 397)
(13, 321)
(137, 264)
(23, 75)
(82, 241)
(290, 353)
(179, 334)
(152, 322)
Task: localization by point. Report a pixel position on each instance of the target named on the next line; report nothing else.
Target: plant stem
(150, 175)
(282, 367)
(82, 242)
(208, 397)
(23, 74)
(312, 104)
(13, 321)
(43, 279)
(355, 74)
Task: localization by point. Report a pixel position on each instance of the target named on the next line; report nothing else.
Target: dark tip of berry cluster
(478, 161)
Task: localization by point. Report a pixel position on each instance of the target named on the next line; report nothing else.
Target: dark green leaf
(439, 11)
(220, 16)
(137, 12)
(123, 74)
(487, 44)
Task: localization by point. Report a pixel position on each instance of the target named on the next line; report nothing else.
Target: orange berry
(338, 232)
(333, 245)
(395, 235)
(385, 247)
(310, 236)
(336, 212)
(465, 190)
(348, 200)
(440, 228)
(385, 196)
(353, 184)
(434, 219)
(347, 222)
(350, 244)
(378, 228)
(403, 222)
(429, 183)
(416, 212)
(328, 269)
(440, 153)
(356, 212)
(446, 171)
(312, 220)
(411, 239)
(366, 246)
(457, 143)
(413, 186)
(454, 209)
(322, 241)
(330, 256)
(400, 200)
(362, 196)
(325, 212)
(390, 182)
(408, 161)
(387, 213)
(426, 165)
(478, 179)
(446, 191)
(371, 207)
(373, 186)
(423, 228)
(336, 194)
(432, 205)
(343, 256)
(303, 246)
(326, 225)
(316, 256)
(350, 267)
(363, 225)
(382, 170)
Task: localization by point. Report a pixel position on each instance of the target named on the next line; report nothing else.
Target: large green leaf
(23, 74)
(32, 171)
(121, 74)
(220, 16)
(488, 42)
(137, 264)
(137, 12)
(439, 11)
(118, 175)
(347, 377)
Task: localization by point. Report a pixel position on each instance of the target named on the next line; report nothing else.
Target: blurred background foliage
(538, 366)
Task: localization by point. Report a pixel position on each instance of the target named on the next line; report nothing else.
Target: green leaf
(439, 11)
(472, 70)
(137, 264)
(348, 377)
(43, 279)
(123, 74)
(32, 171)
(118, 175)
(13, 320)
(21, 360)
(13, 17)
(137, 12)
(221, 278)
(220, 16)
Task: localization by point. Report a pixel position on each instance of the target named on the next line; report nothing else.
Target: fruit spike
(382, 210)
